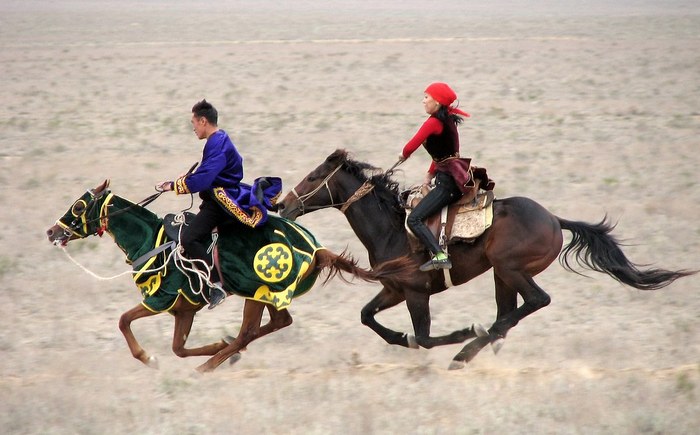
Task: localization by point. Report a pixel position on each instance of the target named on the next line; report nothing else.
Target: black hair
(443, 115)
(206, 110)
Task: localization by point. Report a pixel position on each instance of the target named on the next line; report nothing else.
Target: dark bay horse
(136, 231)
(523, 240)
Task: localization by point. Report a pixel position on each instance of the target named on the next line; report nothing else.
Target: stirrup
(435, 264)
(216, 296)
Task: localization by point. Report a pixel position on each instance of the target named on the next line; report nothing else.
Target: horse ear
(101, 188)
(339, 155)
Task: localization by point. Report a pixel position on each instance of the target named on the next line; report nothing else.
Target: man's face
(199, 124)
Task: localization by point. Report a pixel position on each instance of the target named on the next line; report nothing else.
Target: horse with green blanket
(268, 266)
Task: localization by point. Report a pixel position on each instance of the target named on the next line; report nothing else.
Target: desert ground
(590, 108)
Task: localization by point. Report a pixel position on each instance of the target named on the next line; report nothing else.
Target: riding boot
(443, 194)
(216, 295)
(439, 261)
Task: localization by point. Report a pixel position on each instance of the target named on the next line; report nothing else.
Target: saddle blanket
(268, 264)
(460, 222)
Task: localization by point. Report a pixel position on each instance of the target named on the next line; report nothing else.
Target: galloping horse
(523, 240)
(166, 288)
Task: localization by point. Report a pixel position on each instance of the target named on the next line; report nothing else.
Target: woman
(439, 136)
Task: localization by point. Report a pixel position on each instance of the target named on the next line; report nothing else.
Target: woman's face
(430, 105)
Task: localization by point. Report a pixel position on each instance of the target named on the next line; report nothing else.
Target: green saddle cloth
(265, 263)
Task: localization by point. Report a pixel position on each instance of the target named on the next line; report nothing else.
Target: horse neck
(132, 226)
(377, 227)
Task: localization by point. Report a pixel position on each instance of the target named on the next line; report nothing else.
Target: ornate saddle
(460, 222)
(172, 224)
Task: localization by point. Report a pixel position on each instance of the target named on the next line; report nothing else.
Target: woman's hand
(428, 178)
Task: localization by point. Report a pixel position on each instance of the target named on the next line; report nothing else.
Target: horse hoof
(412, 343)
(234, 358)
(479, 330)
(228, 339)
(152, 362)
(497, 345)
(456, 365)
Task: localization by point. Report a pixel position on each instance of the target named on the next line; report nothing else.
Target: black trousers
(445, 192)
(196, 237)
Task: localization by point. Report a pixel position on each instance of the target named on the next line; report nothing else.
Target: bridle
(74, 228)
(359, 193)
(363, 190)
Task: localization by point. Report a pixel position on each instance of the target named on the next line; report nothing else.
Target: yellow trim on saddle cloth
(233, 208)
(152, 284)
(180, 292)
(305, 236)
(180, 186)
(280, 300)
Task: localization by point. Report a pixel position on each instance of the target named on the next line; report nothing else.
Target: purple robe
(219, 177)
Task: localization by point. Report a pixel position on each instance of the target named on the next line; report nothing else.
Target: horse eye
(78, 208)
(311, 178)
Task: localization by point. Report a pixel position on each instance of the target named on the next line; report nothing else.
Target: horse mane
(385, 188)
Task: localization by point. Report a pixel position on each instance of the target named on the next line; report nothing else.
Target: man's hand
(164, 186)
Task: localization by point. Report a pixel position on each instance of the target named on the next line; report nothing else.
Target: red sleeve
(431, 126)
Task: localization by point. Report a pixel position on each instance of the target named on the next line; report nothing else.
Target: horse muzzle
(58, 235)
(290, 207)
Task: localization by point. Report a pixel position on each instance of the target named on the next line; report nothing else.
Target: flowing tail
(592, 246)
(396, 270)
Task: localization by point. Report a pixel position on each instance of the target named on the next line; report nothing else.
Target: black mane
(385, 188)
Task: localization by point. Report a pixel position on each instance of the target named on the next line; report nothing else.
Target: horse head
(334, 183)
(82, 218)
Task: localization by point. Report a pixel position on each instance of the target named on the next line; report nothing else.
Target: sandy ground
(585, 107)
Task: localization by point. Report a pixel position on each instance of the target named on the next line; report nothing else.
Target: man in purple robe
(225, 199)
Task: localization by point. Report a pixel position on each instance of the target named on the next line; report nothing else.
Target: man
(218, 182)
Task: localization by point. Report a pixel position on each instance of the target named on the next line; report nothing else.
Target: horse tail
(394, 270)
(593, 247)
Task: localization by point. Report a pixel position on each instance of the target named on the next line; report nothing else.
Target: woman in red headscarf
(439, 136)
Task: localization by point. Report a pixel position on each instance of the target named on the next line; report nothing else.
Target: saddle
(172, 224)
(460, 222)
(171, 227)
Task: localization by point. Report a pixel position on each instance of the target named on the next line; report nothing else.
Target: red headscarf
(443, 94)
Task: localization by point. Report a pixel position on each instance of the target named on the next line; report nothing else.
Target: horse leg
(506, 301)
(183, 325)
(419, 308)
(385, 299)
(508, 315)
(278, 319)
(137, 351)
(250, 330)
(533, 296)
